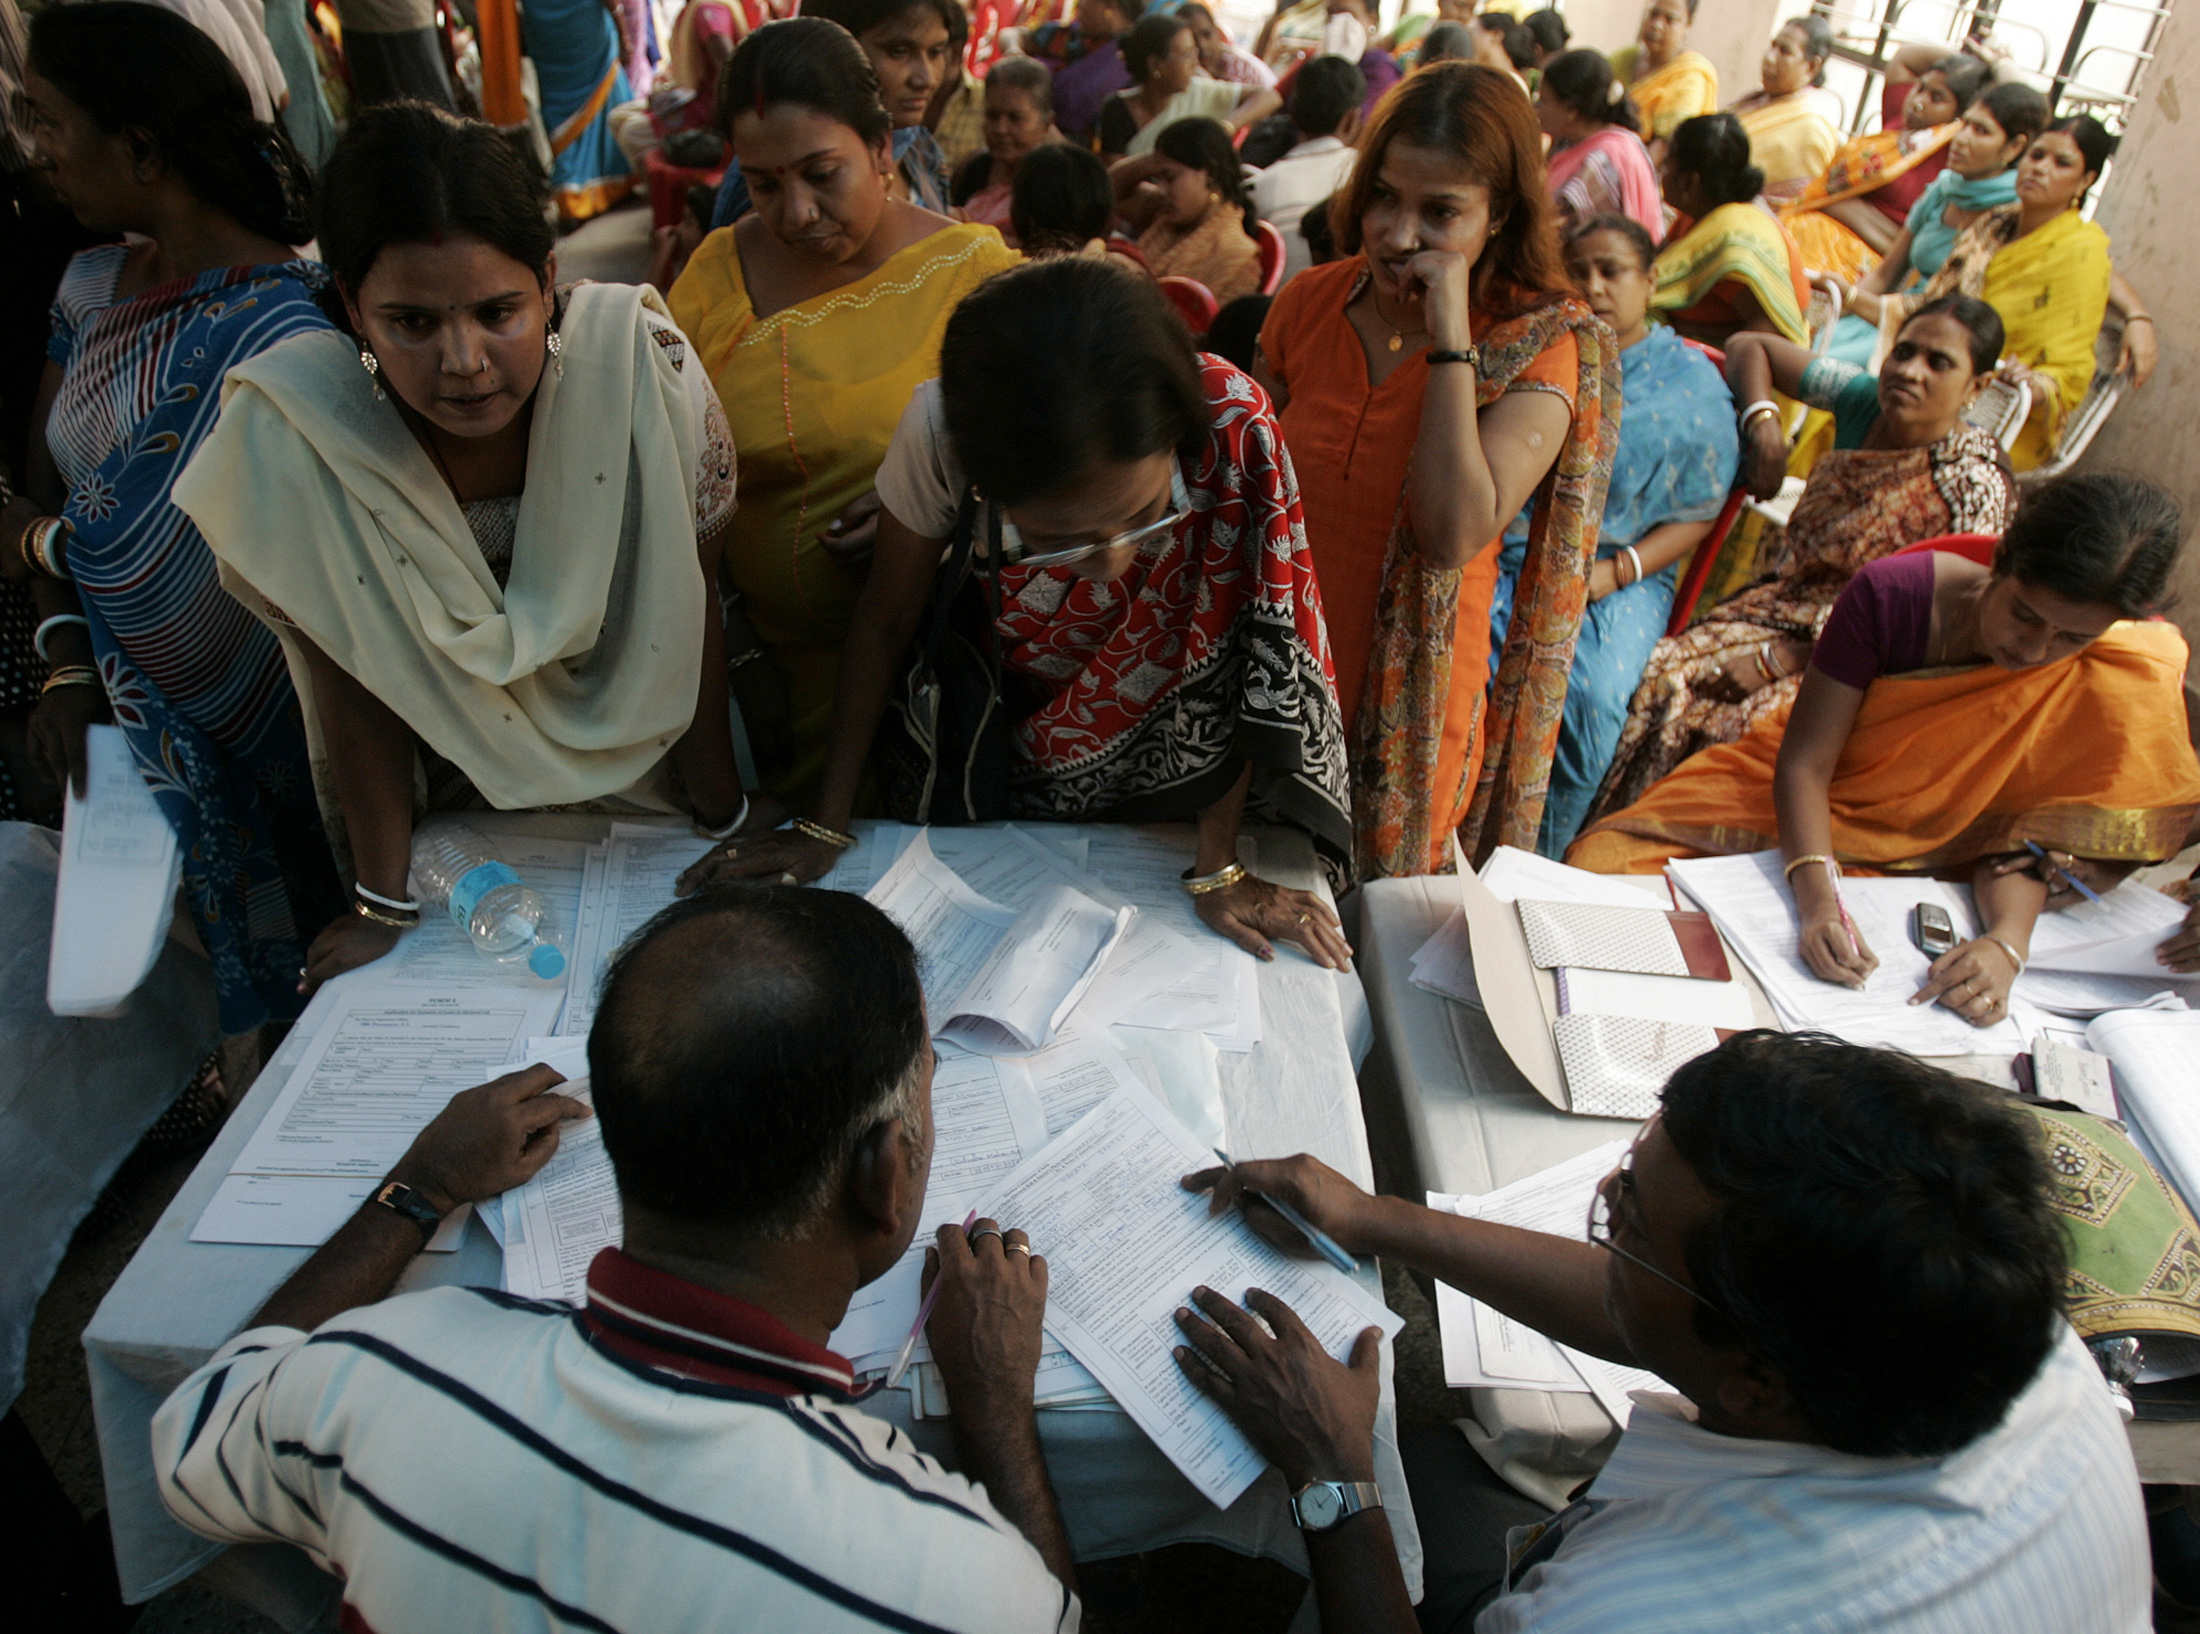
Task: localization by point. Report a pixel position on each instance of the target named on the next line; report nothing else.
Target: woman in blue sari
(578, 48)
(144, 128)
(1677, 455)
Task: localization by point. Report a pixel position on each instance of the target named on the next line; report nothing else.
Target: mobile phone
(1931, 929)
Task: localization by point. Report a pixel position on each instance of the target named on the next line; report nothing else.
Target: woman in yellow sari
(2044, 268)
(1952, 712)
(1849, 216)
(1793, 122)
(816, 317)
(1665, 80)
(1728, 264)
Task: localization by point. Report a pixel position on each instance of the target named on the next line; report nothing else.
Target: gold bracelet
(1816, 857)
(364, 912)
(1220, 880)
(72, 675)
(24, 549)
(823, 835)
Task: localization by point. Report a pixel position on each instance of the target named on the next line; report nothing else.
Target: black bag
(942, 752)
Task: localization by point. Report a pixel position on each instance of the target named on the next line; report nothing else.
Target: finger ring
(788, 879)
(730, 850)
(1016, 1248)
(985, 1231)
(1304, 917)
(301, 972)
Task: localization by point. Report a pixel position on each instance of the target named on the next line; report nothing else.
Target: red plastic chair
(1269, 248)
(669, 184)
(1979, 547)
(1195, 303)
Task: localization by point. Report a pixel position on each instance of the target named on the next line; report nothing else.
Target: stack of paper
(1749, 901)
(994, 977)
(119, 870)
(2156, 1055)
(1485, 1348)
(2100, 956)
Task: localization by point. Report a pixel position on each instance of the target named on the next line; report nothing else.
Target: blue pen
(2076, 884)
(1324, 1244)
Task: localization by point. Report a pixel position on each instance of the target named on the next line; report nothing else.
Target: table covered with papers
(1452, 1117)
(1087, 1026)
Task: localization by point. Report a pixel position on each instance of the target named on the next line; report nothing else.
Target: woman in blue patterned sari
(1677, 455)
(143, 128)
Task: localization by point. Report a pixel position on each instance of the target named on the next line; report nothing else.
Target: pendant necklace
(1397, 341)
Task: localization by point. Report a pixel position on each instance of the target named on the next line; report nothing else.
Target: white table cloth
(179, 1300)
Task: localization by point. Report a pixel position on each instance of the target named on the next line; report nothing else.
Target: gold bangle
(24, 549)
(1816, 857)
(72, 675)
(1220, 880)
(364, 912)
(823, 835)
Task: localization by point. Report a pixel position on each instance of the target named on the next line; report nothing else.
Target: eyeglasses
(1616, 1205)
(1180, 506)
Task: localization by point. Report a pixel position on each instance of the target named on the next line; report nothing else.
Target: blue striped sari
(196, 682)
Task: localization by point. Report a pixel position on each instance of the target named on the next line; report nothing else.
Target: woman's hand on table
(57, 728)
(784, 856)
(1253, 910)
(2059, 868)
(1326, 1198)
(2181, 952)
(1972, 980)
(1835, 952)
(345, 943)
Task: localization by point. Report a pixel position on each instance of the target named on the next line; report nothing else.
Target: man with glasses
(1844, 1261)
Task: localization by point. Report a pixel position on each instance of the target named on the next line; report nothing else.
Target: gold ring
(1016, 1248)
(788, 879)
(1304, 917)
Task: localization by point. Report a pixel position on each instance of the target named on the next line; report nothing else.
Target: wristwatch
(400, 1198)
(1470, 355)
(1319, 1505)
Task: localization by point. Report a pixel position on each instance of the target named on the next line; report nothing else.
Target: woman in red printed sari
(1158, 623)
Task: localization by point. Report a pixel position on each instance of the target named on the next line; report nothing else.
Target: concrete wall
(2148, 211)
(1732, 33)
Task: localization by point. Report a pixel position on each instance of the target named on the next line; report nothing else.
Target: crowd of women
(411, 525)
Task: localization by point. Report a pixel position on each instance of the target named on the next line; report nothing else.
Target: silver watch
(1319, 1505)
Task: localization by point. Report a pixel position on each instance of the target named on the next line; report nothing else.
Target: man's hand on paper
(345, 943)
(1253, 910)
(1329, 1201)
(489, 1139)
(985, 1326)
(56, 731)
(1972, 980)
(1310, 1415)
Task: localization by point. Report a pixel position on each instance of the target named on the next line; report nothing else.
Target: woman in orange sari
(1952, 712)
(1847, 218)
(1429, 384)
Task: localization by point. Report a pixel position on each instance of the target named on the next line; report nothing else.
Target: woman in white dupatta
(486, 527)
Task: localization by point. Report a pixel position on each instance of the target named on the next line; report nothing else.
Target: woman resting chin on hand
(1156, 595)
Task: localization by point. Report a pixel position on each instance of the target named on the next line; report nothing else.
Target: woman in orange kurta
(1431, 384)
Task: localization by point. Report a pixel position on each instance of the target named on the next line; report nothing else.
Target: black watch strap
(400, 1198)
(1470, 356)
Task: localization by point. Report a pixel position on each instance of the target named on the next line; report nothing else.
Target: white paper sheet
(953, 928)
(1216, 989)
(1512, 873)
(1485, 1347)
(561, 1219)
(640, 868)
(380, 1068)
(119, 870)
(986, 1119)
(2156, 1055)
(2116, 936)
(1749, 902)
(437, 953)
(1181, 1071)
(298, 1211)
(1125, 1246)
(1008, 865)
(1679, 999)
(1444, 965)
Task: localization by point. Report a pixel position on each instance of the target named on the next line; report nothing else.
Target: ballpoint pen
(2076, 884)
(924, 1315)
(1324, 1244)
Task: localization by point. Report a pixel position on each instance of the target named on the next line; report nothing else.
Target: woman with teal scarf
(1980, 176)
(1676, 461)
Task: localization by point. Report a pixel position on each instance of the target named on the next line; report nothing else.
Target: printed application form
(564, 1215)
(380, 1068)
(1125, 1245)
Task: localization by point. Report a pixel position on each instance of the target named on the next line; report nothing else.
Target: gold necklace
(1397, 341)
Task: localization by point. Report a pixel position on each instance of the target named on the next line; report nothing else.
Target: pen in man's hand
(924, 1315)
(1324, 1244)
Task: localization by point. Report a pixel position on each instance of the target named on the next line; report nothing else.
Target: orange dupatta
(1863, 165)
(1946, 766)
(1397, 736)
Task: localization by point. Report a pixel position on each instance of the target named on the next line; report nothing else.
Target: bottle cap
(546, 961)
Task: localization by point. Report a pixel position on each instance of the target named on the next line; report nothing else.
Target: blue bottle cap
(546, 961)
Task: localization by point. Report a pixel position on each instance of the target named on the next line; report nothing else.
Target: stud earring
(555, 342)
(373, 365)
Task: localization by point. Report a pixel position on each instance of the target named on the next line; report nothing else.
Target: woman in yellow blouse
(816, 316)
(1665, 80)
(1792, 120)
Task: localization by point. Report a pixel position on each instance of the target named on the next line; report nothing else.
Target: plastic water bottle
(455, 866)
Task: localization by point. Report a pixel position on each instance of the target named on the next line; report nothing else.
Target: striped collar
(665, 1322)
